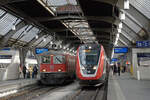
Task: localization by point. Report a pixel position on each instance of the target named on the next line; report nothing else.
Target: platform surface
(125, 87)
(15, 84)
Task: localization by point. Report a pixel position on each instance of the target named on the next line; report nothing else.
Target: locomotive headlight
(59, 70)
(94, 67)
(44, 70)
(82, 67)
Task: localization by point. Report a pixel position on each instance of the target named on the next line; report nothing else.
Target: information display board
(143, 44)
(114, 59)
(121, 50)
(41, 50)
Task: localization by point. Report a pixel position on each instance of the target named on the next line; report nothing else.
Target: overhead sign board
(121, 50)
(41, 50)
(143, 44)
(5, 49)
(114, 59)
(5, 56)
(143, 55)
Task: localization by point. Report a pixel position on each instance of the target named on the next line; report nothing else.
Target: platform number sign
(143, 44)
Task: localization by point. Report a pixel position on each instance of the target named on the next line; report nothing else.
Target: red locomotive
(92, 64)
(57, 68)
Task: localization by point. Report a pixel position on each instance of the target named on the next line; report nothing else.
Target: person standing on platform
(24, 71)
(34, 73)
(114, 69)
(30, 70)
(118, 69)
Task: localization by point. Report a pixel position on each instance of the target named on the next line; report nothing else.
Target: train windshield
(89, 56)
(59, 59)
(46, 59)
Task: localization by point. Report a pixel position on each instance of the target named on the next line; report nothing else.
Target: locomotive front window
(46, 59)
(58, 59)
(89, 57)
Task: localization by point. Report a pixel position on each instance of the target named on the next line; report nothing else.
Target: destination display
(5, 56)
(114, 59)
(120, 50)
(143, 44)
(41, 50)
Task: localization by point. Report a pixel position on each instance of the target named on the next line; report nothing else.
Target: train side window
(59, 59)
(46, 59)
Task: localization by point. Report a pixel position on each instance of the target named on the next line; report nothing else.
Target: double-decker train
(92, 66)
(57, 68)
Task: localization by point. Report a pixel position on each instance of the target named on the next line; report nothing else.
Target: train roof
(53, 52)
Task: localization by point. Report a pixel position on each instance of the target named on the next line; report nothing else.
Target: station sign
(114, 59)
(5, 49)
(40, 50)
(5, 56)
(121, 50)
(143, 44)
(143, 55)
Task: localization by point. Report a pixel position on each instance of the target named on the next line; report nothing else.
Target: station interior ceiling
(69, 23)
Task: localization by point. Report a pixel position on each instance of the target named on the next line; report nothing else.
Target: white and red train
(92, 66)
(57, 67)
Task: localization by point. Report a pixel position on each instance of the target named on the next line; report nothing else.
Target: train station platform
(125, 87)
(12, 86)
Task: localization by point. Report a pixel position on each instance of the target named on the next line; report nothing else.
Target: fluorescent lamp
(36, 36)
(119, 30)
(60, 46)
(44, 39)
(120, 25)
(90, 47)
(126, 4)
(13, 27)
(122, 16)
(118, 35)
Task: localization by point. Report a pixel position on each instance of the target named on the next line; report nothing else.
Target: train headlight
(44, 70)
(94, 67)
(59, 70)
(82, 67)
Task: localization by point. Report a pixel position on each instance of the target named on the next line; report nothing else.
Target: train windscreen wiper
(58, 60)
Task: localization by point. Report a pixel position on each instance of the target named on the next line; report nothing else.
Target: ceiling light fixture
(36, 36)
(13, 27)
(119, 30)
(44, 39)
(126, 4)
(120, 25)
(122, 16)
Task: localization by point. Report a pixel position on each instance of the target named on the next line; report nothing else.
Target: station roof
(69, 23)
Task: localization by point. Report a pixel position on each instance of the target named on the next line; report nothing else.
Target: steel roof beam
(30, 43)
(5, 38)
(4, 2)
(73, 17)
(28, 19)
(106, 30)
(132, 30)
(127, 42)
(125, 37)
(137, 15)
(111, 2)
(124, 43)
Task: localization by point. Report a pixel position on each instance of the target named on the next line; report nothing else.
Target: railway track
(29, 93)
(90, 93)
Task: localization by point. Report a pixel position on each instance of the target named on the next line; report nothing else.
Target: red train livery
(57, 68)
(92, 65)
